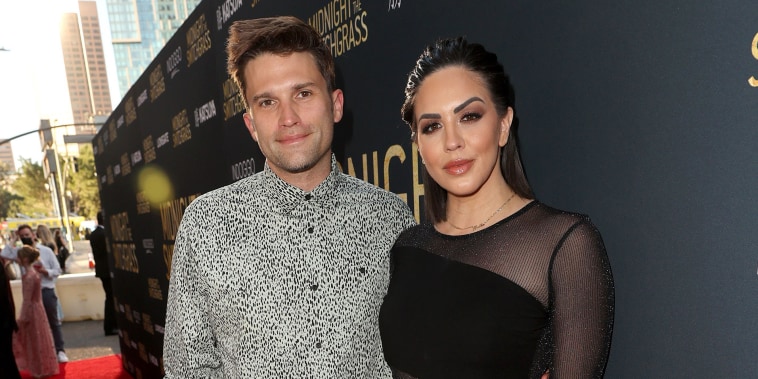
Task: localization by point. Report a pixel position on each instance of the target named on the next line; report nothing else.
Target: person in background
(8, 367)
(33, 344)
(494, 284)
(63, 252)
(102, 270)
(45, 237)
(281, 274)
(49, 271)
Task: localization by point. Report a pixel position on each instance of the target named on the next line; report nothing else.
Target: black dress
(530, 293)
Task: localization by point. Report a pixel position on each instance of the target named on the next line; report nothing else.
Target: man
(102, 271)
(49, 272)
(281, 274)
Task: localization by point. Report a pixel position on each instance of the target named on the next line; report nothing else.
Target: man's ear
(338, 100)
(250, 125)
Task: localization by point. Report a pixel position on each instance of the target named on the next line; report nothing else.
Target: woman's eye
(471, 116)
(430, 127)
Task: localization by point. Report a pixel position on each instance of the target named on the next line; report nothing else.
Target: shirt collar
(285, 193)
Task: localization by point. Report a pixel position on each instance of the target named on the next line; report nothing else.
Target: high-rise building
(84, 62)
(139, 30)
(6, 156)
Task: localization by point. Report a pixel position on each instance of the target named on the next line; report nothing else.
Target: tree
(34, 199)
(81, 182)
(7, 198)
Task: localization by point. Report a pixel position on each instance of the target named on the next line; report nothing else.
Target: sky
(32, 77)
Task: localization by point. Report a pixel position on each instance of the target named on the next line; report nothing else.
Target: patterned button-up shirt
(269, 281)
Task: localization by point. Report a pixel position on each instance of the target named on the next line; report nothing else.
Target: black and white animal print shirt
(269, 281)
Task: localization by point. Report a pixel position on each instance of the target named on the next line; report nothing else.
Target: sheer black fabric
(533, 292)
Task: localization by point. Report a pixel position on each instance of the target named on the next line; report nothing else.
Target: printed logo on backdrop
(117, 170)
(341, 24)
(126, 166)
(173, 62)
(149, 149)
(109, 175)
(243, 169)
(233, 102)
(180, 128)
(205, 112)
(147, 325)
(162, 140)
(157, 84)
(112, 132)
(148, 245)
(226, 10)
(154, 289)
(141, 98)
(394, 4)
(99, 143)
(171, 215)
(123, 247)
(136, 157)
(131, 110)
(198, 40)
(752, 80)
(143, 205)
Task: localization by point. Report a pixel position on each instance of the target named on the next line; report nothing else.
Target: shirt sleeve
(49, 261)
(8, 252)
(189, 347)
(583, 305)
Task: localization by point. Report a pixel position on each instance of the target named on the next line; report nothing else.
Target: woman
(33, 343)
(45, 237)
(495, 284)
(63, 252)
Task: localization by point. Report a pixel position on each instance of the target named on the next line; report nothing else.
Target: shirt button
(318, 345)
(314, 287)
(310, 229)
(308, 197)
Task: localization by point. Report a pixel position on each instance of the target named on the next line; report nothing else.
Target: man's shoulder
(360, 188)
(44, 249)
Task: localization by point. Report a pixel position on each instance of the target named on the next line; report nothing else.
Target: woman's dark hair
(475, 58)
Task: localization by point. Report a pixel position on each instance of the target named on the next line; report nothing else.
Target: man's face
(292, 113)
(25, 233)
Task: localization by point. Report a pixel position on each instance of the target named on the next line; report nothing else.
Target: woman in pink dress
(33, 343)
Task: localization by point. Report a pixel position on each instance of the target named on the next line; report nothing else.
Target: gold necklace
(475, 227)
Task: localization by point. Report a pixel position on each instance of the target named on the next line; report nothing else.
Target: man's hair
(25, 226)
(100, 217)
(283, 35)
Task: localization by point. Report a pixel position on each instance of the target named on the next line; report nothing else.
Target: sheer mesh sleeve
(582, 301)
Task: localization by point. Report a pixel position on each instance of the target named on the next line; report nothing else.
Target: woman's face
(459, 133)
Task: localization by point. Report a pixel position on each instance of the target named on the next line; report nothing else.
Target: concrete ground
(85, 339)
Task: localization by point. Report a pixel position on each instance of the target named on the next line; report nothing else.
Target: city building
(6, 156)
(85, 67)
(139, 30)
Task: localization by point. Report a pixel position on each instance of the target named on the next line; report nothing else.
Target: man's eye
(265, 103)
(304, 94)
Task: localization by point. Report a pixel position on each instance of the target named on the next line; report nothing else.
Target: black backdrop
(639, 113)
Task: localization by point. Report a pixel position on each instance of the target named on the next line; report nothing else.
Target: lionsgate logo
(204, 113)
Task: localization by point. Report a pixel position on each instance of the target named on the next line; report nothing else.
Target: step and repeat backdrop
(643, 115)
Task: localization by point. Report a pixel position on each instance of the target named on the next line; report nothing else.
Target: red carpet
(108, 367)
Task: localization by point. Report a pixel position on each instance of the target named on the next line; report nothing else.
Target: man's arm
(189, 347)
(50, 266)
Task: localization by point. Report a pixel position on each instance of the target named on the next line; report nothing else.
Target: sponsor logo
(157, 84)
(180, 128)
(142, 98)
(136, 157)
(205, 113)
(243, 169)
(162, 140)
(341, 24)
(131, 111)
(198, 40)
(173, 61)
(225, 11)
(126, 167)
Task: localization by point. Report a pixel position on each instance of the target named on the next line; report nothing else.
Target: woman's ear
(505, 127)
